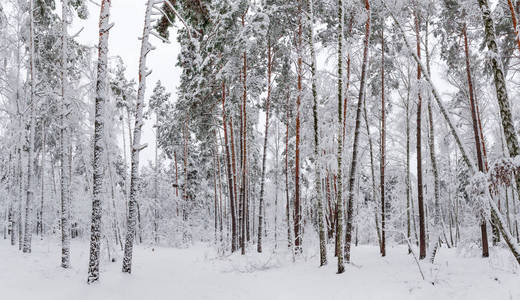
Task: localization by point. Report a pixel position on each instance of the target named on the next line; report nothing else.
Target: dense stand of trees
(270, 140)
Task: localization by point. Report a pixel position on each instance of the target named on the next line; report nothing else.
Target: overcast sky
(127, 17)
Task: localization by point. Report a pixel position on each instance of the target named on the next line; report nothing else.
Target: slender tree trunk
(286, 171)
(409, 209)
(437, 220)
(372, 172)
(229, 172)
(99, 124)
(317, 164)
(339, 201)
(383, 142)
(42, 179)
(353, 166)
(420, 200)
(243, 136)
(65, 144)
(32, 128)
(477, 136)
(264, 153)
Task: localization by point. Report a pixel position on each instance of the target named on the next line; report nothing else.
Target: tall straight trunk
(383, 142)
(65, 144)
(234, 171)
(372, 171)
(408, 192)
(286, 171)
(32, 128)
(299, 95)
(99, 151)
(276, 174)
(339, 201)
(12, 210)
(176, 174)
(243, 136)
(20, 187)
(215, 198)
(420, 199)
(317, 164)
(42, 179)
(220, 206)
(476, 133)
(136, 143)
(437, 226)
(156, 188)
(229, 173)
(185, 167)
(353, 165)
(264, 153)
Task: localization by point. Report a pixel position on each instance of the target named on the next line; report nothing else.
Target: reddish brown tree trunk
(478, 144)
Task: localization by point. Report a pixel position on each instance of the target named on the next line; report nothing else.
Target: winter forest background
(260, 149)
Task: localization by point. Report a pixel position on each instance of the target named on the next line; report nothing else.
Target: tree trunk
(229, 173)
(264, 153)
(477, 136)
(420, 200)
(243, 136)
(297, 204)
(383, 142)
(136, 143)
(317, 164)
(99, 124)
(32, 128)
(65, 144)
(339, 201)
(353, 165)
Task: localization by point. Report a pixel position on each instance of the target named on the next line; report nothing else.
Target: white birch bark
(65, 144)
(99, 133)
(30, 157)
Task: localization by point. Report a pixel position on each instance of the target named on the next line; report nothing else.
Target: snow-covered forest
(303, 149)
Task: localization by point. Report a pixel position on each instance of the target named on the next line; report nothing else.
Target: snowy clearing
(196, 273)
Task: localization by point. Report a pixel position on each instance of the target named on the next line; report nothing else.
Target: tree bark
(317, 164)
(383, 142)
(420, 200)
(99, 124)
(353, 165)
(476, 133)
(65, 144)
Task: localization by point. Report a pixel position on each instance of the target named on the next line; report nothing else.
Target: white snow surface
(199, 273)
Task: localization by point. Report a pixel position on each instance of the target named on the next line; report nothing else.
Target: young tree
(353, 164)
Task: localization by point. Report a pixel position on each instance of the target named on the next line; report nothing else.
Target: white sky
(128, 19)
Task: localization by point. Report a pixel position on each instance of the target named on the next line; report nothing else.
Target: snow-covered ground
(198, 273)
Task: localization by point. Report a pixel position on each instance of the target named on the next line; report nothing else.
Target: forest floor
(198, 273)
